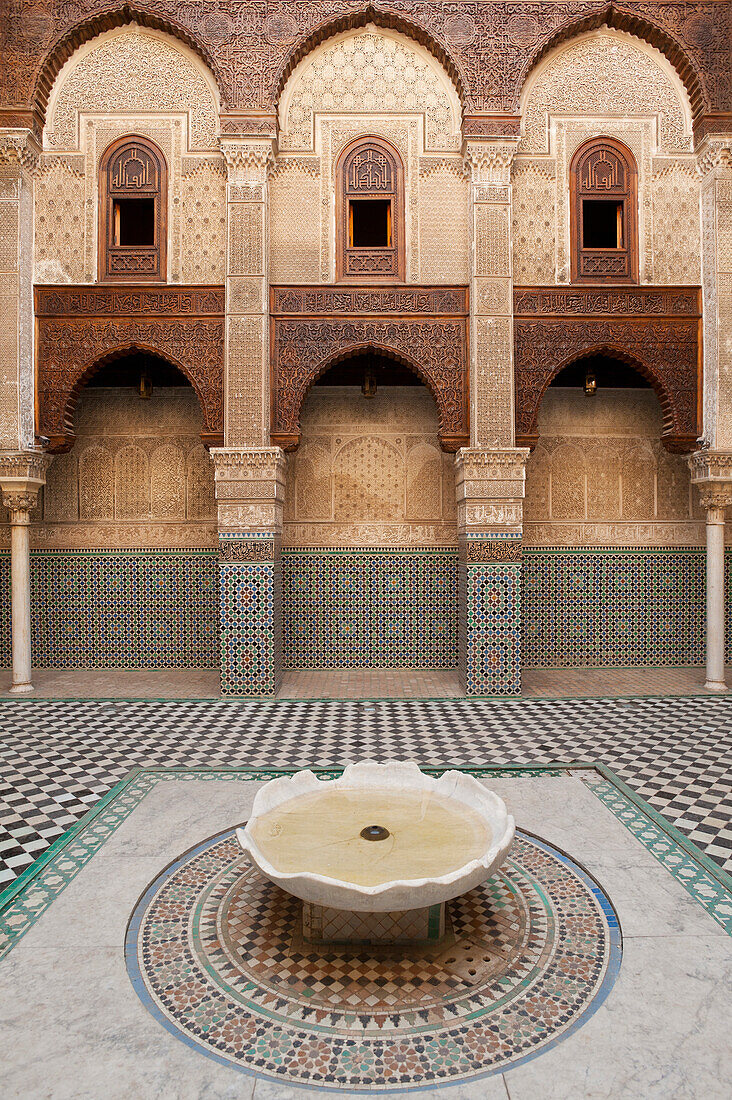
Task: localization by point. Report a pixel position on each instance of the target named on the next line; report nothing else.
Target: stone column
(21, 475)
(490, 492)
(250, 493)
(711, 472)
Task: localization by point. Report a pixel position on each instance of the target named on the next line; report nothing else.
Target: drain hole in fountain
(375, 832)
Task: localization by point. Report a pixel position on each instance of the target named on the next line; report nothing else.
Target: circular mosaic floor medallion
(216, 954)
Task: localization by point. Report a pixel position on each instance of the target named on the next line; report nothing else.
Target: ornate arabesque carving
(603, 168)
(78, 328)
(434, 345)
(370, 169)
(132, 169)
(656, 330)
(252, 51)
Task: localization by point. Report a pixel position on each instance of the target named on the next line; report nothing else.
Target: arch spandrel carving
(314, 328)
(655, 330)
(81, 328)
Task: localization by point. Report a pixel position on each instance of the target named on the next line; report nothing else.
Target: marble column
(250, 494)
(490, 492)
(711, 472)
(21, 476)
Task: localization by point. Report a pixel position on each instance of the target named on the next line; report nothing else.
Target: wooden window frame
(604, 265)
(132, 263)
(370, 265)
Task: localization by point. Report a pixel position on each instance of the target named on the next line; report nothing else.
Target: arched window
(370, 212)
(132, 211)
(604, 212)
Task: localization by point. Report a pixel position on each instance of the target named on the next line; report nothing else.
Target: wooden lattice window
(132, 211)
(604, 212)
(370, 205)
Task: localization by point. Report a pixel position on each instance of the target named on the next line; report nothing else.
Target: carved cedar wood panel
(487, 48)
(423, 327)
(656, 330)
(79, 328)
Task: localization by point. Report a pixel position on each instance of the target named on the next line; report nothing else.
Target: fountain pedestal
(323, 924)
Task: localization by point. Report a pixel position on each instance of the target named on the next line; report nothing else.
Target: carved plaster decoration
(22, 473)
(369, 70)
(433, 345)
(589, 76)
(370, 472)
(489, 162)
(490, 488)
(655, 330)
(19, 147)
(132, 69)
(79, 328)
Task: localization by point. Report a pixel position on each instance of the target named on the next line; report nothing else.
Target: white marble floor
(72, 1027)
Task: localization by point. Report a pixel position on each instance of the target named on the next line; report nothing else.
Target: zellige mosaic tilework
(604, 607)
(380, 608)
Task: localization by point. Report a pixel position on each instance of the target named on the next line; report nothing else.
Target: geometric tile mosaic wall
(604, 607)
(119, 609)
(370, 608)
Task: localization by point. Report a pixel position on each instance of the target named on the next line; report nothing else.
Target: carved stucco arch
(388, 20)
(679, 406)
(636, 25)
(92, 26)
(292, 385)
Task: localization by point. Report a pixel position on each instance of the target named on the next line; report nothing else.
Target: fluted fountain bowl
(381, 838)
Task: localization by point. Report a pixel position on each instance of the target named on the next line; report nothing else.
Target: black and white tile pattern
(59, 757)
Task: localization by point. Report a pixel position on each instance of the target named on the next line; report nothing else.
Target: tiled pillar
(21, 475)
(711, 472)
(250, 494)
(490, 492)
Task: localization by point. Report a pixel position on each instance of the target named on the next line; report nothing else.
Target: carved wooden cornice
(657, 330)
(78, 328)
(423, 327)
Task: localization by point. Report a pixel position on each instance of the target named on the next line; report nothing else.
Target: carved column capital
(19, 147)
(711, 472)
(490, 486)
(250, 488)
(714, 153)
(248, 161)
(22, 473)
(489, 162)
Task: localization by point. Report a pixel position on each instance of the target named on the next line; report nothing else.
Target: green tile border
(26, 899)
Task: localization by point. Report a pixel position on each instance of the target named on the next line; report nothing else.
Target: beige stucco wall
(131, 81)
(608, 83)
(600, 475)
(370, 472)
(138, 475)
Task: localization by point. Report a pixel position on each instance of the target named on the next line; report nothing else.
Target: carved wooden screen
(370, 205)
(132, 211)
(604, 213)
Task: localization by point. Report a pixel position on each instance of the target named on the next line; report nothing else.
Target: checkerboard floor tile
(58, 757)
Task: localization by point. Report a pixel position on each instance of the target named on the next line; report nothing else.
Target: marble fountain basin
(381, 838)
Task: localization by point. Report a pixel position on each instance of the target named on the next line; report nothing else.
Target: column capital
(489, 161)
(22, 473)
(250, 488)
(714, 153)
(248, 160)
(490, 486)
(19, 147)
(711, 472)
